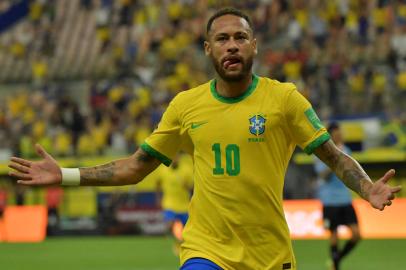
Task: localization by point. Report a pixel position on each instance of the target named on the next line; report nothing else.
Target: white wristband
(70, 176)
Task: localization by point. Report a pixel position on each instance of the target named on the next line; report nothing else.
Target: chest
(240, 123)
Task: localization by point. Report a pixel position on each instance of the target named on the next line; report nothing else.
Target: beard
(236, 77)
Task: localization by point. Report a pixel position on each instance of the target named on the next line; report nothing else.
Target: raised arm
(46, 171)
(379, 193)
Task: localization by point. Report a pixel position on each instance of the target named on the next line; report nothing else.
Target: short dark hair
(333, 126)
(228, 11)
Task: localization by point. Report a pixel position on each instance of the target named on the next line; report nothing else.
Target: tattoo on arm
(345, 167)
(125, 171)
(99, 175)
(353, 175)
(143, 157)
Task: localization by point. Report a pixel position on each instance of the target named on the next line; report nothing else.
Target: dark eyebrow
(242, 33)
(220, 35)
(236, 33)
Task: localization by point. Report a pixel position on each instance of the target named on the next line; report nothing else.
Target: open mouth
(231, 62)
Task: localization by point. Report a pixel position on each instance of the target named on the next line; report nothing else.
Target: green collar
(248, 92)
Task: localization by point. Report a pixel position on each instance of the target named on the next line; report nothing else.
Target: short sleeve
(165, 141)
(303, 124)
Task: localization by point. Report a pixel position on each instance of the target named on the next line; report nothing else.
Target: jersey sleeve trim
(156, 154)
(309, 149)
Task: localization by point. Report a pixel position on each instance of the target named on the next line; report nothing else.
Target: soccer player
(337, 202)
(173, 190)
(241, 130)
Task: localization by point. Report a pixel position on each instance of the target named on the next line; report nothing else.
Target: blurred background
(90, 79)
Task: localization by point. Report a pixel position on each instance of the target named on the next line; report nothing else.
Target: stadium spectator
(19, 195)
(394, 133)
(86, 4)
(338, 59)
(54, 197)
(39, 71)
(337, 203)
(174, 188)
(236, 216)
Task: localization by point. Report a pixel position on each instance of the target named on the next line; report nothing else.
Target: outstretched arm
(126, 171)
(46, 171)
(379, 193)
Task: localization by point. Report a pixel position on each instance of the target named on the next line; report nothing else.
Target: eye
(241, 37)
(221, 38)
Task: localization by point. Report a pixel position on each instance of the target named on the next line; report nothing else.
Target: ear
(207, 48)
(254, 45)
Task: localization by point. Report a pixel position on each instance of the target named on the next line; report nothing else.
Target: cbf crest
(257, 124)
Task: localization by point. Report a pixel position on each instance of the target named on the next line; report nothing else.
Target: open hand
(381, 194)
(31, 173)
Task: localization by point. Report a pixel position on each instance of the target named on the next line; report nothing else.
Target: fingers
(387, 203)
(21, 161)
(382, 206)
(23, 176)
(388, 175)
(40, 151)
(391, 196)
(396, 189)
(22, 170)
(19, 167)
(26, 183)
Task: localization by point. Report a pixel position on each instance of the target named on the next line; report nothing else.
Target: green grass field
(154, 253)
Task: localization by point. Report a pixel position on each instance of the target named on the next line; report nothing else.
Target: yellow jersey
(241, 148)
(176, 184)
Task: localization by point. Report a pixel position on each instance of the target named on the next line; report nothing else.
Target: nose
(232, 46)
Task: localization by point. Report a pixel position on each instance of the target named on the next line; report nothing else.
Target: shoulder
(277, 87)
(191, 100)
(191, 95)
(276, 92)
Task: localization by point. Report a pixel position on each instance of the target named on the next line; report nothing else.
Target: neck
(232, 89)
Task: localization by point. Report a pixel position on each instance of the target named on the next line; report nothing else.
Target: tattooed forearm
(353, 175)
(99, 175)
(125, 171)
(346, 168)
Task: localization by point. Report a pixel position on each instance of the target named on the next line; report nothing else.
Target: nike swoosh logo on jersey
(196, 125)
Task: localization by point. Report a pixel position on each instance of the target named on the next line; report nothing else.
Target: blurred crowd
(129, 58)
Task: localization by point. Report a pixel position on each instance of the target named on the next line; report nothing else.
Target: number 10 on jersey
(232, 152)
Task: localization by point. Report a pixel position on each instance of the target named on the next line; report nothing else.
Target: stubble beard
(245, 71)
